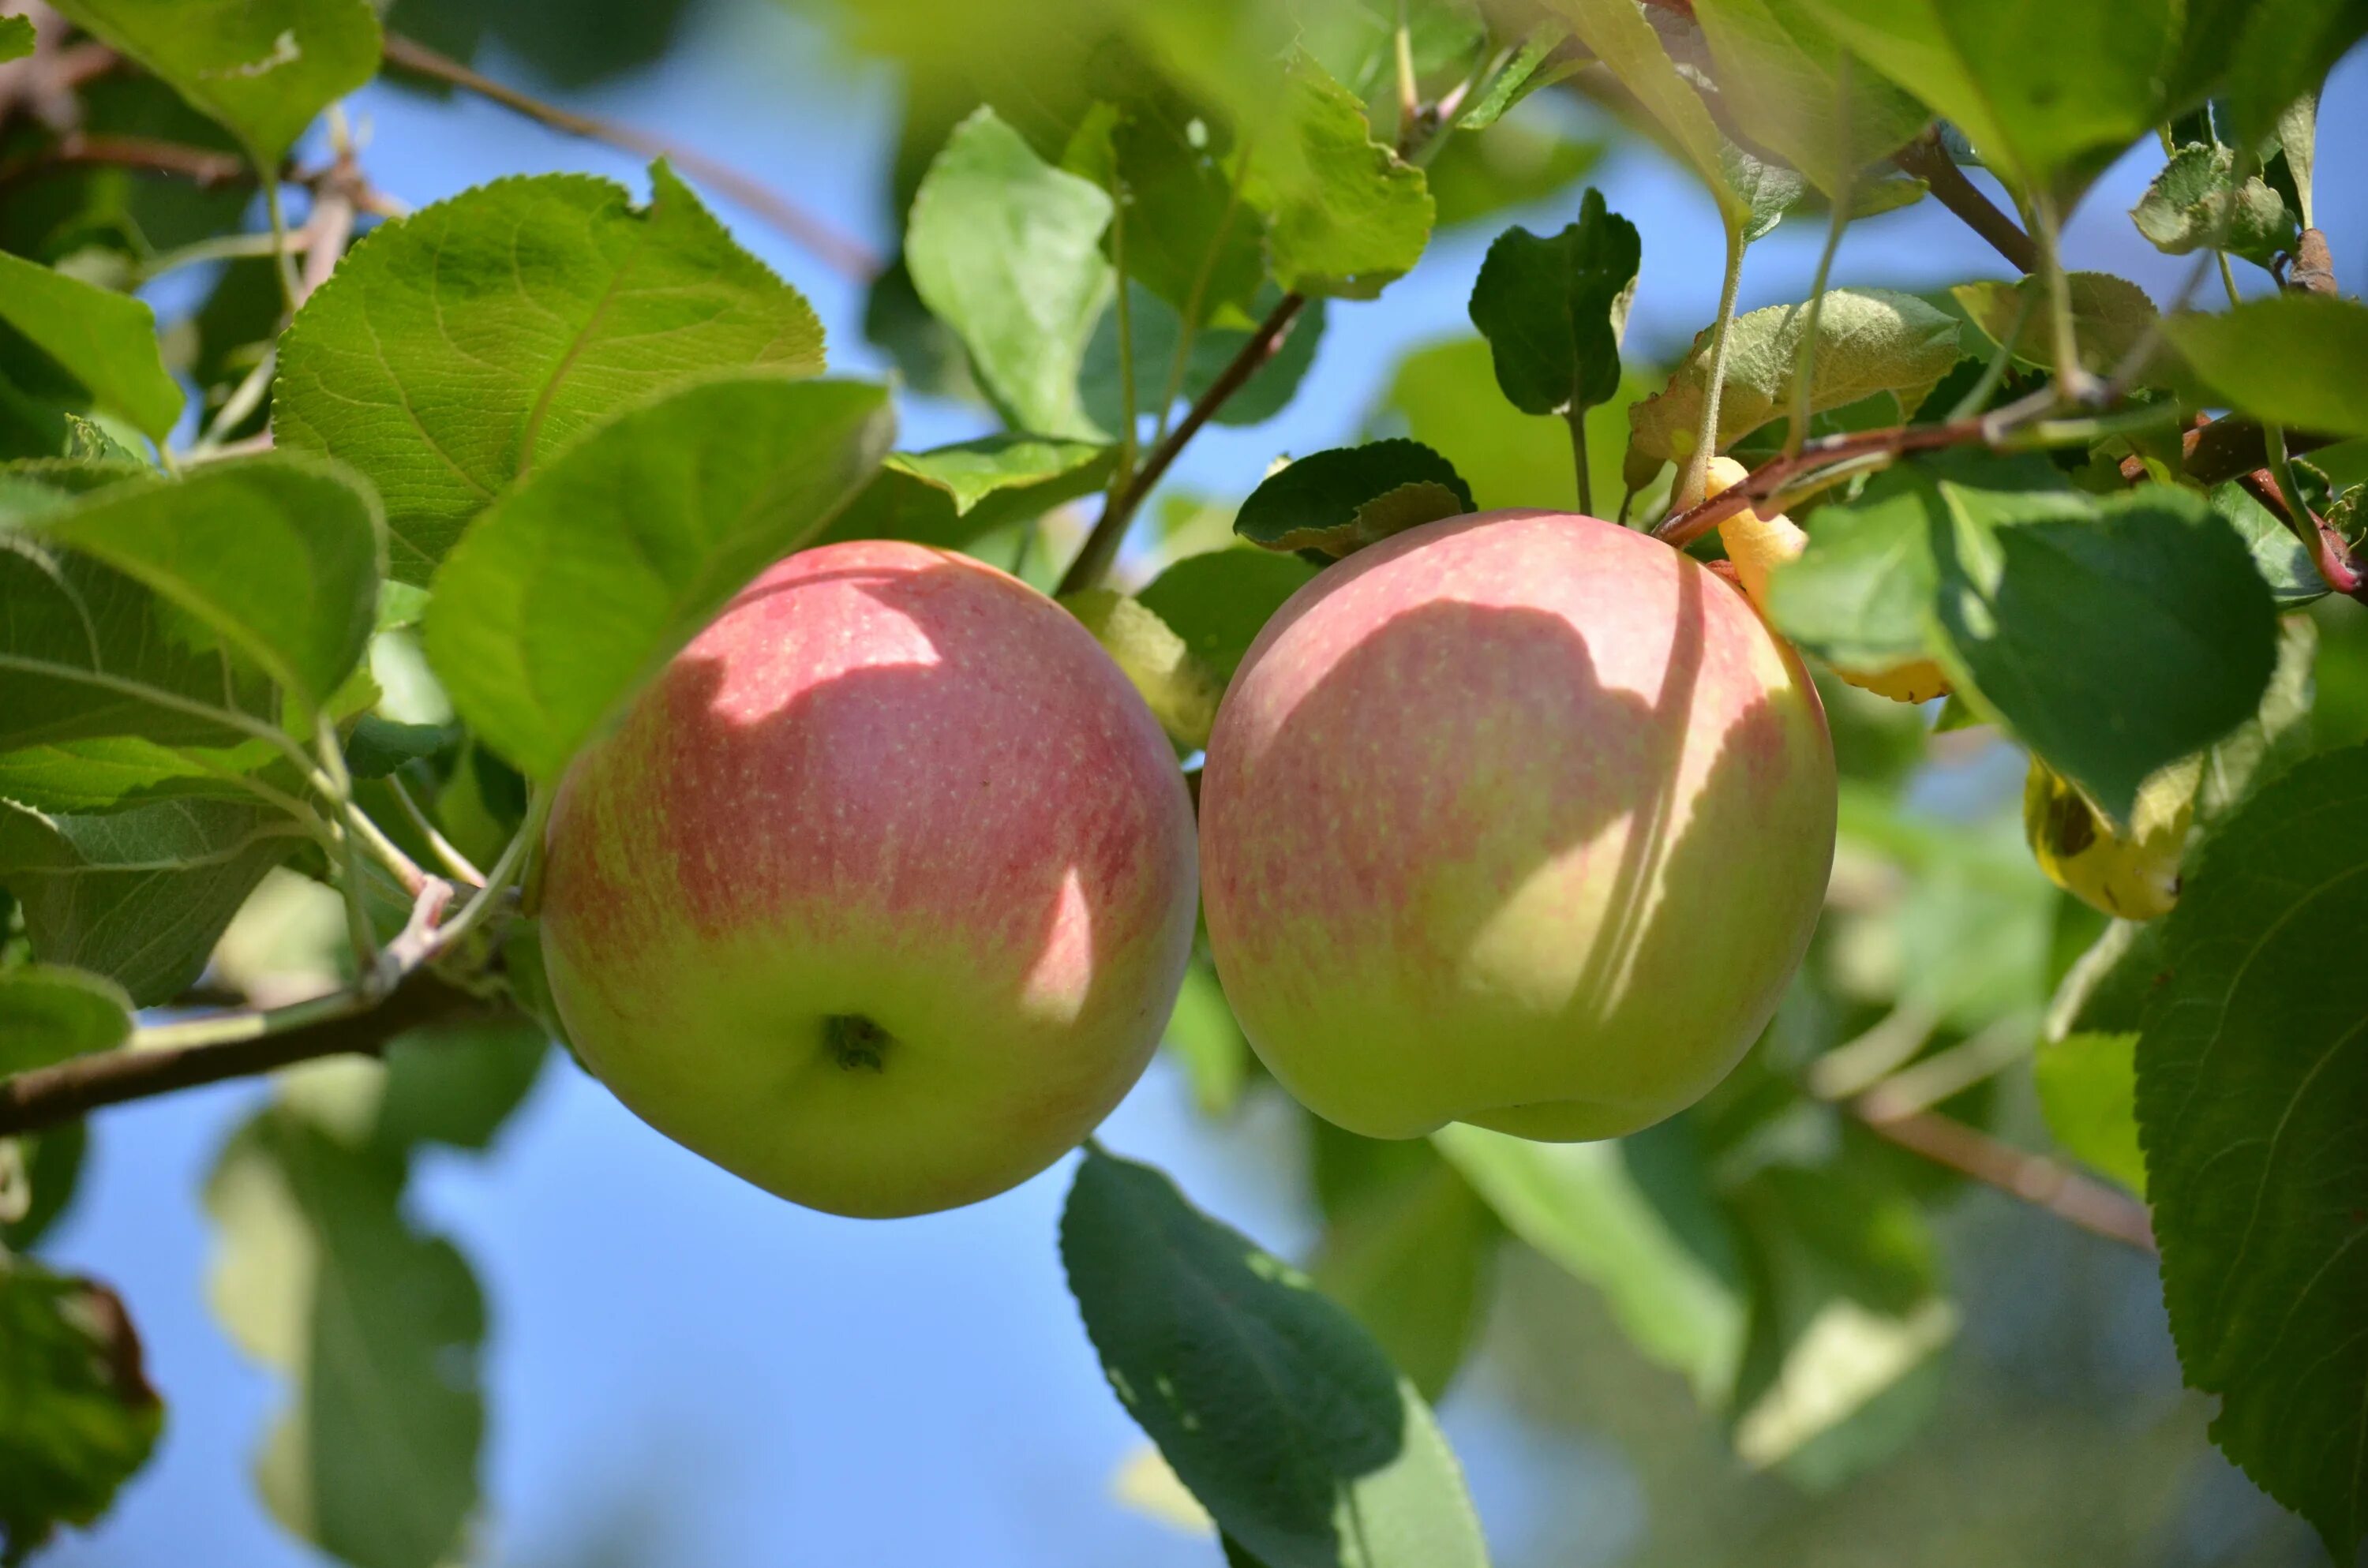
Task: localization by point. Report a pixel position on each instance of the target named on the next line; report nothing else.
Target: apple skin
(1520, 818)
(881, 895)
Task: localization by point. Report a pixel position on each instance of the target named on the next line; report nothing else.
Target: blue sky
(683, 1369)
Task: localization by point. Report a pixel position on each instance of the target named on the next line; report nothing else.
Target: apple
(881, 895)
(1520, 818)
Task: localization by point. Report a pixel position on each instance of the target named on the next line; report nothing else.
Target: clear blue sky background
(683, 1370)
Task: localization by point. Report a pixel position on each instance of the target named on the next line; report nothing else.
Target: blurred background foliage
(1759, 1335)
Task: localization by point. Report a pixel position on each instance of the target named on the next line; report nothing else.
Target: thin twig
(1101, 545)
(845, 255)
(47, 1096)
(1930, 162)
(2033, 1178)
(203, 166)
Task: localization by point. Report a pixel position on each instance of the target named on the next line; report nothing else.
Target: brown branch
(47, 1096)
(2034, 1179)
(1101, 545)
(1682, 529)
(842, 253)
(1930, 162)
(204, 166)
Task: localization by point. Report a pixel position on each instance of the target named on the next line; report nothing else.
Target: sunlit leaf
(103, 339)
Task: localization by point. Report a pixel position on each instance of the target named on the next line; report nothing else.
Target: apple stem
(854, 1042)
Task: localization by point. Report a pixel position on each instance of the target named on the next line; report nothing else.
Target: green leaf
(2252, 1070)
(51, 1166)
(1869, 341)
(1671, 1282)
(1790, 88)
(108, 773)
(1618, 34)
(2265, 746)
(103, 339)
(1345, 216)
(2046, 94)
(48, 1014)
(263, 68)
(1410, 1257)
(454, 1084)
(576, 587)
(970, 472)
(88, 653)
(1007, 250)
(1344, 499)
(2196, 201)
(2110, 316)
(2088, 1088)
(139, 896)
(1266, 1399)
(2263, 54)
(1553, 309)
(2283, 560)
(454, 349)
(1766, 191)
(1188, 237)
(1178, 689)
(1540, 62)
(17, 38)
(2292, 359)
(77, 1417)
(376, 1326)
(278, 556)
(377, 746)
(1860, 597)
(899, 504)
(1217, 602)
(2115, 635)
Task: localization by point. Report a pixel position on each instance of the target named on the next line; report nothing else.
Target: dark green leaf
(580, 584)
(264, 68)
(2116, 636)
(2196, 201)
(2292, 359)
(1553, 309)
(1792, 90)
(1266, 1399)
(897, 504)
(1346, 217)
(1341, 500)
(2045, 93)
(1188, 238)
(1218, 601)
(48, 1014)
(1007, 250)
(378, 746)
(376, 1326)
(457, 347)
(2252, 1100)
(77, 1417)
(1869, 341)
(17, 38)
(105, 340)
(2261, 55)
(278, 556)
(1672, 1285)
(139, 896)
